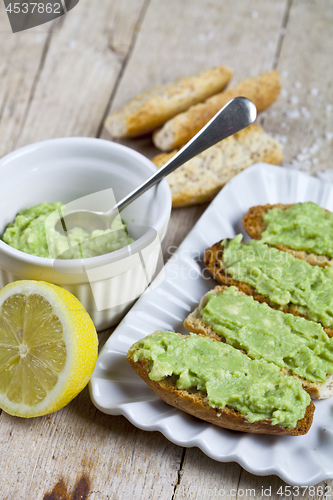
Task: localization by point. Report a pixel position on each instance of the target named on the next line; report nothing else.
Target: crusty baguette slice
(262, 90)
(255, 225)
(213, 260)
(194, 323)
(200, 179)
(154, 107)
(196, 404)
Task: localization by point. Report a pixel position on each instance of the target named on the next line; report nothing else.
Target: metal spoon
(233, 117)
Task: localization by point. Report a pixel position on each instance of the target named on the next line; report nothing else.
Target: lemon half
(48, 348)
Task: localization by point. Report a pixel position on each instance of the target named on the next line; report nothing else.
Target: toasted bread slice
(263, 90)
(255, 225)
(194, 323)
(195, 403)
(213, 260)
(200, 179)
(154, 107)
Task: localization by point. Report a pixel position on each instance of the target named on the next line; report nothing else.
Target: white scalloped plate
(117, 390)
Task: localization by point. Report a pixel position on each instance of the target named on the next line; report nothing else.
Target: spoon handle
(233, 117)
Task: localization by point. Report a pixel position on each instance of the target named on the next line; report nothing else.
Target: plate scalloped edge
(115, 389)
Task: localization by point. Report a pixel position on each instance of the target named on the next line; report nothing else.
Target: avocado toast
(218, 383)
(299, 347)
(303, 229)
(278, 278)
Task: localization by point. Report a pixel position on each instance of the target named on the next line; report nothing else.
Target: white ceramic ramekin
(66, 170)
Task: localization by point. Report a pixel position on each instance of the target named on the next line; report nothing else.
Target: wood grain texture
(303, 116)
(65, 83)
(21, 59)
(116, 459)
(194, 35)
(82, 66)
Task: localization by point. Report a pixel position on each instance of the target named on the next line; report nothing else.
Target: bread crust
(194, 323)
(213, 260)
(255, 225)
(263, 90)
(153, 108)
(196, 404)
(200, 179)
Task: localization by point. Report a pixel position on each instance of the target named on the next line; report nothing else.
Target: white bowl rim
(76, 265)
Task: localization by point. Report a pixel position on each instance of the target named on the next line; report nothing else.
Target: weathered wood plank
(194, 35)
(80, 444)
(82, 66)
(80, 448)
(303, 116)
(21, 58)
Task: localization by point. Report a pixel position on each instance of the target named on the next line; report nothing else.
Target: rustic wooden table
(62, 79)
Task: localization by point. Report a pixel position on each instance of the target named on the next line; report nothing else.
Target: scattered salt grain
(293, 114)
(328, 108)
(329, 136)
(204, 37)
(305, 112)
(316, 146)
(325, 175)
(284, 93)
(284, 73)
(294, 99)
(302, 166)
(254, 14)
(302, 157)
(314, 91)
(297, 85)
(281, 138)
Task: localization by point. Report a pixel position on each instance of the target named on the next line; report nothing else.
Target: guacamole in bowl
(34, 233)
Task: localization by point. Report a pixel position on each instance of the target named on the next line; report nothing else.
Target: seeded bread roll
(255, 225)
(195, 403)
(154, 107)
(200, 179)
(194, 323)
(262, 90)
(213, 260)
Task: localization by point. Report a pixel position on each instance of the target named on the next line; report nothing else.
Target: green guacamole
(28, 234)
(227, 377)
(304, 226)
(290, 342)
(282, 278)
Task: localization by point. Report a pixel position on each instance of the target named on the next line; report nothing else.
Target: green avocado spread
(225, 375)
(304, 226)
(28, 234)
(290, 342)
(281, 277)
